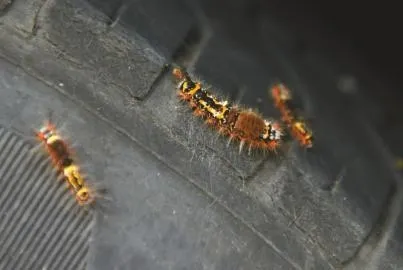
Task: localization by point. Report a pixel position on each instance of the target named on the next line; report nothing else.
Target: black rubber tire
(182, 198)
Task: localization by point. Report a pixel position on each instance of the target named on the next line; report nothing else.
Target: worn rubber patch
(41, 225)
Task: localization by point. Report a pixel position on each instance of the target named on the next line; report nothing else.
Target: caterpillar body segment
(242, 125)
(298, 128)
(62, 159)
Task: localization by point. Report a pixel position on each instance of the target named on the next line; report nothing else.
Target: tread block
(21, 15)
(128, 63)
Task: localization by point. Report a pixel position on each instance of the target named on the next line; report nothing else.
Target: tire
(182, 198)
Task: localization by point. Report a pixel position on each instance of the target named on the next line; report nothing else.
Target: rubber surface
(182, 198)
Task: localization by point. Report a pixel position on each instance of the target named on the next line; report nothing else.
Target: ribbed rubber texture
(41, 225)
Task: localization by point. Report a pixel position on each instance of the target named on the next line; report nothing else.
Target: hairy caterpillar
(283, 101)
(63, 161)
(242, 125)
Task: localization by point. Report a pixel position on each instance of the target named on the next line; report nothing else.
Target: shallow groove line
(42, 223)
(127, 134)
(6, 154)
(5, 145)
(50, 231)
(15, 218)
(12, 172)
(52, 244)
(58, 250)
(75, 244)
(36, 213)
(24, 205)
(45, 221)
(4, 202)
(77, 260)
(21, 229)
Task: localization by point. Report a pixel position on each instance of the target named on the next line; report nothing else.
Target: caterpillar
(242, 125)
(63, 161)
(298, 128)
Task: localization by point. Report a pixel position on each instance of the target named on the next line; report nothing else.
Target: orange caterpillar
(282, 100)
(238, 124)
(62, 160)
